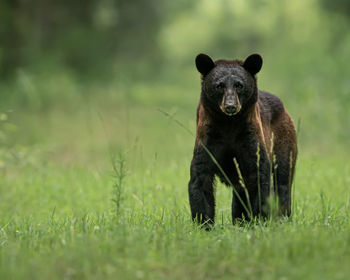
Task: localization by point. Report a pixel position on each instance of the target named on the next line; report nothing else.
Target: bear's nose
(230, 108)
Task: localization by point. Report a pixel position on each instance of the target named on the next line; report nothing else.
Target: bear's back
(275, 119)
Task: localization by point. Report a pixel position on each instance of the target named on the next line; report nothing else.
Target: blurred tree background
(59, 55)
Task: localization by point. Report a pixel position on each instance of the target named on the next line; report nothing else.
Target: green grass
(59, 221)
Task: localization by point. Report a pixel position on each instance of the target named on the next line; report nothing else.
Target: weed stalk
(119, 174)
(258, 174)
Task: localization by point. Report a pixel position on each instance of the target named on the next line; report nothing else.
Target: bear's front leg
(200, 188)
(256, 180)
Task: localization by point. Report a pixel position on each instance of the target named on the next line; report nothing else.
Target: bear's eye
(239, 85)
(220, 86)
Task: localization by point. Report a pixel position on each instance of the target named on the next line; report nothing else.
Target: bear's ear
(204, 64)
(253, 63)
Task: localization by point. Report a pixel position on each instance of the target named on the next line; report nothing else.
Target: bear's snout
(230, 104)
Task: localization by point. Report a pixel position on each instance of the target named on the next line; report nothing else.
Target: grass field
(65, 214)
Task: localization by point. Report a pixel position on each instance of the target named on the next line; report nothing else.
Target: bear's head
(229, 86)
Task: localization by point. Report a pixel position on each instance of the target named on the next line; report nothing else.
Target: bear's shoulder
(271, 107)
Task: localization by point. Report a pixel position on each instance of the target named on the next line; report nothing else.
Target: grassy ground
(58, 192)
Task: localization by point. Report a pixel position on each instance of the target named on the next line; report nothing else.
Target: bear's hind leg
(284, 177)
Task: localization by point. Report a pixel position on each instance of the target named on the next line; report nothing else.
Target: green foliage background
(82, 81)
(58, 54)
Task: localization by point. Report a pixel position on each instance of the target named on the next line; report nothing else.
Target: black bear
(245, 136)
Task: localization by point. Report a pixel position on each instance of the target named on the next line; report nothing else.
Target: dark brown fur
(236, 134)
